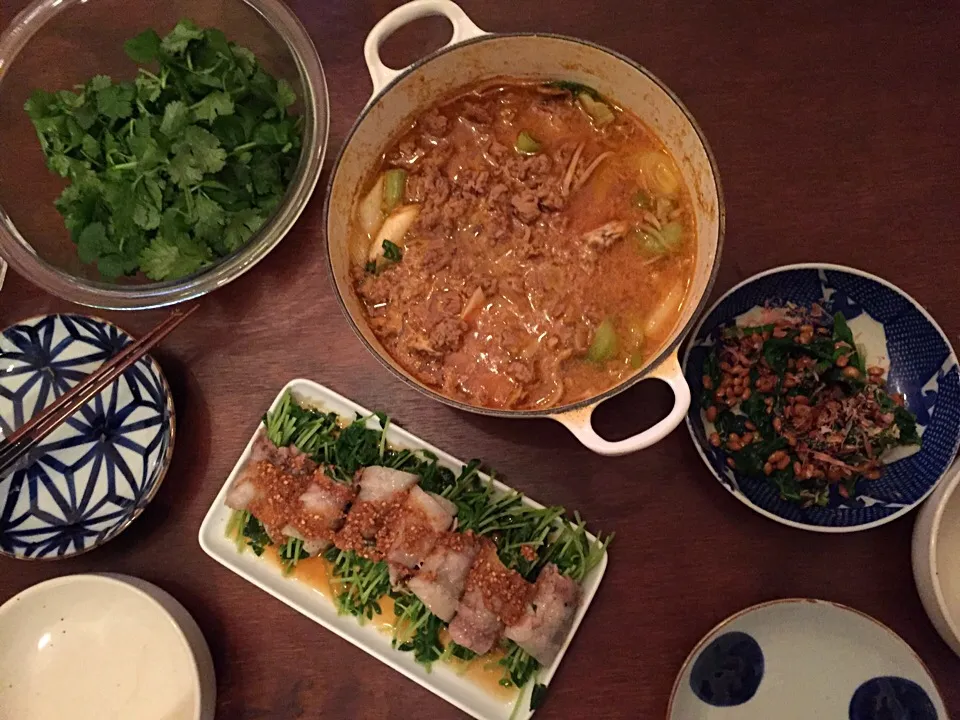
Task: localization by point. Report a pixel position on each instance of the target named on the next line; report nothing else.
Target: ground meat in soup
(524, 246)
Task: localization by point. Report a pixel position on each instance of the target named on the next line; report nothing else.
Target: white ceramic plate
(799, 660)
(102, 647)
(442, 680)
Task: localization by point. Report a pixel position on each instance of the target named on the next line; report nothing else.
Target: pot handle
(380, 74)
(579, 421)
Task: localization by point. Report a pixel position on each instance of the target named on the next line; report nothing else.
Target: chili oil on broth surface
(524, 245)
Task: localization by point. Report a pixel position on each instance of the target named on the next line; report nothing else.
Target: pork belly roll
(319, 512)
(290, 496)
(412, 530)
(251, 485)
(382, 492)
(495, 596)
(547, 617)
(443, 575)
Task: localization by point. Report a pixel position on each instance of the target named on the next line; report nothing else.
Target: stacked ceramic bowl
(936, 557)
(90, 647)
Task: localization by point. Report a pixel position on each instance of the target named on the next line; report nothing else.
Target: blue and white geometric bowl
(97, 472)
(895, 331)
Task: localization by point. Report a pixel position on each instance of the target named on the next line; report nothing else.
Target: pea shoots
(526, 538)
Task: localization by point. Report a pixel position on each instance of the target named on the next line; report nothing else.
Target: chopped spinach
(811, 398)
(711, 369)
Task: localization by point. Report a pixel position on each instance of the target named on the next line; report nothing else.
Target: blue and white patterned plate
(896, 332)
(803, 659)
(94, 474)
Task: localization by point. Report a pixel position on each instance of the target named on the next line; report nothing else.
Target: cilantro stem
(212, 184)
(124, 166)
(245, 146)
(149, 74)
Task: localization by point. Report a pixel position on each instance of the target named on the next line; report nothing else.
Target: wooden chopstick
(102, 376)
(15, 448)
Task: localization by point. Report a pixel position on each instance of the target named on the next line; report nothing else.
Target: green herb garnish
(518, 665)
(246, 531)
(392, 252)
(176, 169)
(574, 88)
(359, 583)
(417, 630)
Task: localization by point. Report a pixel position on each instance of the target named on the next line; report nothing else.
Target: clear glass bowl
(55, 44)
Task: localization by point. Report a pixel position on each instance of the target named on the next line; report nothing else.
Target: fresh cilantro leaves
(213, 106)
(178, 168)
(177, 42)
(172, 256)
(176, 116)
(144, 47)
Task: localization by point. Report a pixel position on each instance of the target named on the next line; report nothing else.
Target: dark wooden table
(837, 132)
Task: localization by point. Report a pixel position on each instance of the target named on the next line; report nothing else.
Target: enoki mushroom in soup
(524, 245)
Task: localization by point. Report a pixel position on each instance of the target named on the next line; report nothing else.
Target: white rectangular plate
(441, 680)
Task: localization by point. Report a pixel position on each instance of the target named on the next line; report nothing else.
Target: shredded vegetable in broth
(524, 245)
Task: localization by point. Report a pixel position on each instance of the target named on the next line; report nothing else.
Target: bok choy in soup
(524, 245)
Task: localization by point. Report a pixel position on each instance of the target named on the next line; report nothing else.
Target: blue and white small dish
(801, 659)
(95, 473)
(894, 332)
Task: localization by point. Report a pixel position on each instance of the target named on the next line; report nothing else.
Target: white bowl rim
(931, 543)
(712, 632)
(117, 581)
(739, 494)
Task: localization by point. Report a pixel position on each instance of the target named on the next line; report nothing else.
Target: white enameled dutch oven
(470, 57)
